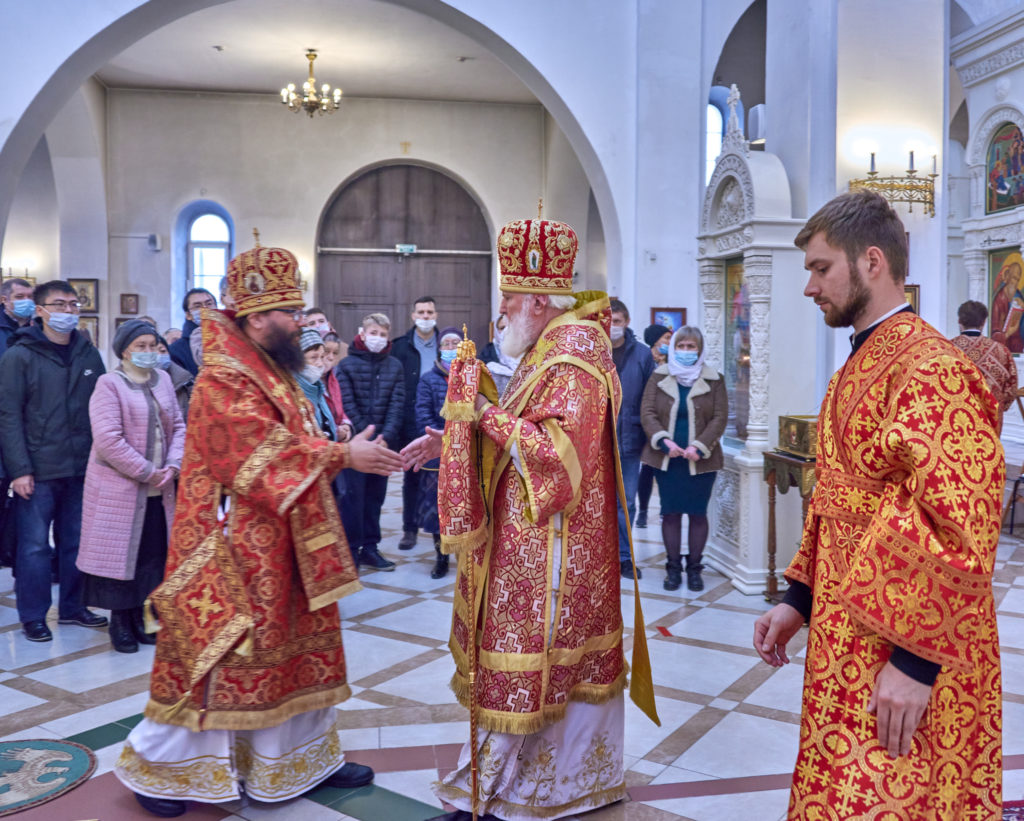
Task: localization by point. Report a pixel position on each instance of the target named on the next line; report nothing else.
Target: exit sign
(405, 248)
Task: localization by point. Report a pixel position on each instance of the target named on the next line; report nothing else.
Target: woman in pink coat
(138, 437)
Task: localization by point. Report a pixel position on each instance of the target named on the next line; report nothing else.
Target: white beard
(520, 335)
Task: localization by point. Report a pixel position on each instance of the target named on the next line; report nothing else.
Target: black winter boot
(441, 565)
(121, 635)
(693, 580)
(673, 574)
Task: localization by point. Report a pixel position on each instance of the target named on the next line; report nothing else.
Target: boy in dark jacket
(372, 393)
(634, 364)
(46, 379)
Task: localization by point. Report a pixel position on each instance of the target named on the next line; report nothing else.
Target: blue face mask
(663, 349)
(145, 359)
(24, 308)
(164, 361)
(686, 358)
(62, 323)
(448, 357)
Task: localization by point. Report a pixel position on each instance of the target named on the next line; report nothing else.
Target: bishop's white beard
(521, 334)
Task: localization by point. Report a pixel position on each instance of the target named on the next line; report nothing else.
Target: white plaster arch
(988, 125)
(61, 44)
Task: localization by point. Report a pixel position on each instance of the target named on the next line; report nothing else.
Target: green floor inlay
(373, 803)
(100, 737)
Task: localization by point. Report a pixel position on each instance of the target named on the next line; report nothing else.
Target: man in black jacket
(634, 364)
(181, 349)
(417, 351)
(372, 395)
(18, 309)
(46, 380)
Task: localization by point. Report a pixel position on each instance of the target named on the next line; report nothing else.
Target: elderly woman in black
(684, 412)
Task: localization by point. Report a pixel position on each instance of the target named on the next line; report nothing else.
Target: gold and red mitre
(536, 256)
(261, 279)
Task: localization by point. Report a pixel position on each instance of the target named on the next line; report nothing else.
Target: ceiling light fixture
(310, 100)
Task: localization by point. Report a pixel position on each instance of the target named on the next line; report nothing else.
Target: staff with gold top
(527, 494)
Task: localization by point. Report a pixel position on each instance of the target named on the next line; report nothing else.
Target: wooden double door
(359, 272)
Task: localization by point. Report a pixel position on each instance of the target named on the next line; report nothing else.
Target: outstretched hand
(420, 451)
(368, 456)
(772, 633)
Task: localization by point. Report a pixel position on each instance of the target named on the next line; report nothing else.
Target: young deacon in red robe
(249, 660)
(901, 710)
(528, 489)
(993, 358)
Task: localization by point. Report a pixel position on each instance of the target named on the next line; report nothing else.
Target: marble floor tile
(359, 704)
(427, 683)
(106, 758)
(1013, 728)
(643, 735)
(366, 600)
(697, 669)
(783, 691)
(412, 784)
(28, 732)
(720, 626)
(432, 619)
(301, 809)
(97, 670)
(768, 747)
(15, 700)
(651, 768)
(1011, 630)
(677, 775)
(1013, 601)
(768, 805)
(1013, 785)
(414, 572)
(737, 599)
(108, 713)
(366, 654)
(364, 738)
(8, 615)
(422, 735)
(654, 609)
(1013, 672)
(16, 651)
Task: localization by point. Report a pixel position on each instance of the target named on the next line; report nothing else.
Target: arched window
(207, 251)
(713, 140)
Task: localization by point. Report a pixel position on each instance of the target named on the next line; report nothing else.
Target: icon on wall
(88, 293)
(671, 318)
(129, 303)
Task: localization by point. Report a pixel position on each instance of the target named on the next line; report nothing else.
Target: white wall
(33, 233)
(277, 171)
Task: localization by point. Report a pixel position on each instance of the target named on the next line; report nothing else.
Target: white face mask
(376, 344)
(426, 324)
(311, 373)
(617, 332)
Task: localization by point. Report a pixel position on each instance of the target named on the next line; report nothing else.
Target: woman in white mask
(684, 411)
(128, 506)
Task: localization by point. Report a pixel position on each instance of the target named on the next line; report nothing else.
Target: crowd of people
(280, 440)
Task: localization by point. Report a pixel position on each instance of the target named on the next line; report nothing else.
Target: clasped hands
(689, 452)
(897, 700)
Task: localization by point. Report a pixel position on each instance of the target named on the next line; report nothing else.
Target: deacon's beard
(857, 299)
(521, 334)
(284, 349)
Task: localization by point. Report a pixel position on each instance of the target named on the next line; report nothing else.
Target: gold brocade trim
(204, 778)
(314, 538)
(499, 721)
(334, 595)
(277, 778)
(556, 656)
(264, 453)
(568, 459)
(501, 808)
(537, 285)
(464, 541)
(225, 639)
(458, 411)
(213, 719)
(319, 464)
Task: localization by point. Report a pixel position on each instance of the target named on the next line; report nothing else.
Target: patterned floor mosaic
(729, 723)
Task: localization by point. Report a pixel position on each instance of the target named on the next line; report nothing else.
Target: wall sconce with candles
(909, 188)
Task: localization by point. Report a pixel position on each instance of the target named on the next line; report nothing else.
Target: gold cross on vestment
(205, 606)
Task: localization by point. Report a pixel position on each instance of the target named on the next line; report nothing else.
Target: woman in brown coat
(684, 412)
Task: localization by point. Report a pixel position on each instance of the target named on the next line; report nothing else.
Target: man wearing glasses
(47, 376)
(181, 349)
(249, 655)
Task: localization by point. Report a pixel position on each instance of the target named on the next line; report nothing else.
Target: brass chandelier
(908, 188)
(311, 101)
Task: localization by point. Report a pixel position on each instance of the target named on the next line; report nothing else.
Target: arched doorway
(359, 270)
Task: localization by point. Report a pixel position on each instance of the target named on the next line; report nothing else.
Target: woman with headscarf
(684, 412)
(138, 439)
